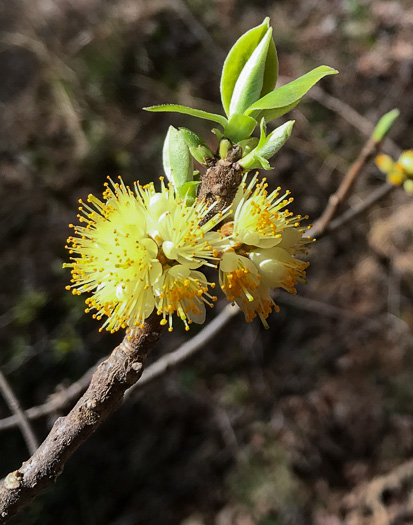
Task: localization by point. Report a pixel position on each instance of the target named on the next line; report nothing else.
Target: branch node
(13, 479)
(137, 367)
(91, 404)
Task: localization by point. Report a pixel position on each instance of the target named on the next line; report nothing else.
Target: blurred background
(272, 427)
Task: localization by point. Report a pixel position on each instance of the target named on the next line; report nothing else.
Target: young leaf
(406, 162)
(271, 114)
(197, 146)
(287, 97)
(248, 145)
(224, 147)
(276, 139)
(237, 58)
(177, 161)
(218, 133)
(239, 127)
(192, 139)
(408, 186)
(176, 108)
(267, 146)
(270, 71)
(250, 82)
(202, 154)
(188, 191)
(384, 124)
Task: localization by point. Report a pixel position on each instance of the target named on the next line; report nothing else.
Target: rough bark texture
(220, 182)
(112, 378)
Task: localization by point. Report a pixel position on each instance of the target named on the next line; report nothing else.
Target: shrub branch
(113, 377)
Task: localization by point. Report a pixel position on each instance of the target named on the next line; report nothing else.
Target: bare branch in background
(105, 394)
(367, 153)
(371, 497)
(22, 421)
(63, 398)
(57, 401)
(187, 350)
(350, 214)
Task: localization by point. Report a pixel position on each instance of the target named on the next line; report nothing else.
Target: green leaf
(176, 108)
(177, 161)
(276, 139)
(202, 154)
(262, 163)
(248, 145)
(192, 139)
(267, 146)
(271, 70)
(263, 134)
(384, 124)
(250, 82)
(224, 147)
(188, 191)
(286, 97)
(239, 127)
(218, 133)
(197, 146)
(271, 114)
(238, 56)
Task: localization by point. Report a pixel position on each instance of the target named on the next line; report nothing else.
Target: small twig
(57, 401)
(350, 214)
(62, 399)
(369, 150)
(319, 307)
(392, 481)
(187, 350)
(105, 394)
(22, 421)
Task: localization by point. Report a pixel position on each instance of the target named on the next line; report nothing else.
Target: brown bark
(220, 182)
(105, 394)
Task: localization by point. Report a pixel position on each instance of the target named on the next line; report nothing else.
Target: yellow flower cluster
(400, 172)
(264, 239)
(138, 250)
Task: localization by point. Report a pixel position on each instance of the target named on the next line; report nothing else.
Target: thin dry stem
(105, 394)
(336, 199)
(15, 407)
(382, 191)
(63, 398)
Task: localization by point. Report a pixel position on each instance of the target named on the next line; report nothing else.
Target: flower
(138, 250)
(400, 172)
(263, 241)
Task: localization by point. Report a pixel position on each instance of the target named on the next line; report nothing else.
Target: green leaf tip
(199, 113)
(177, 161)
(197, 146)
(384, 125)
(286, 97)
(250, 70)
(267, 146)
